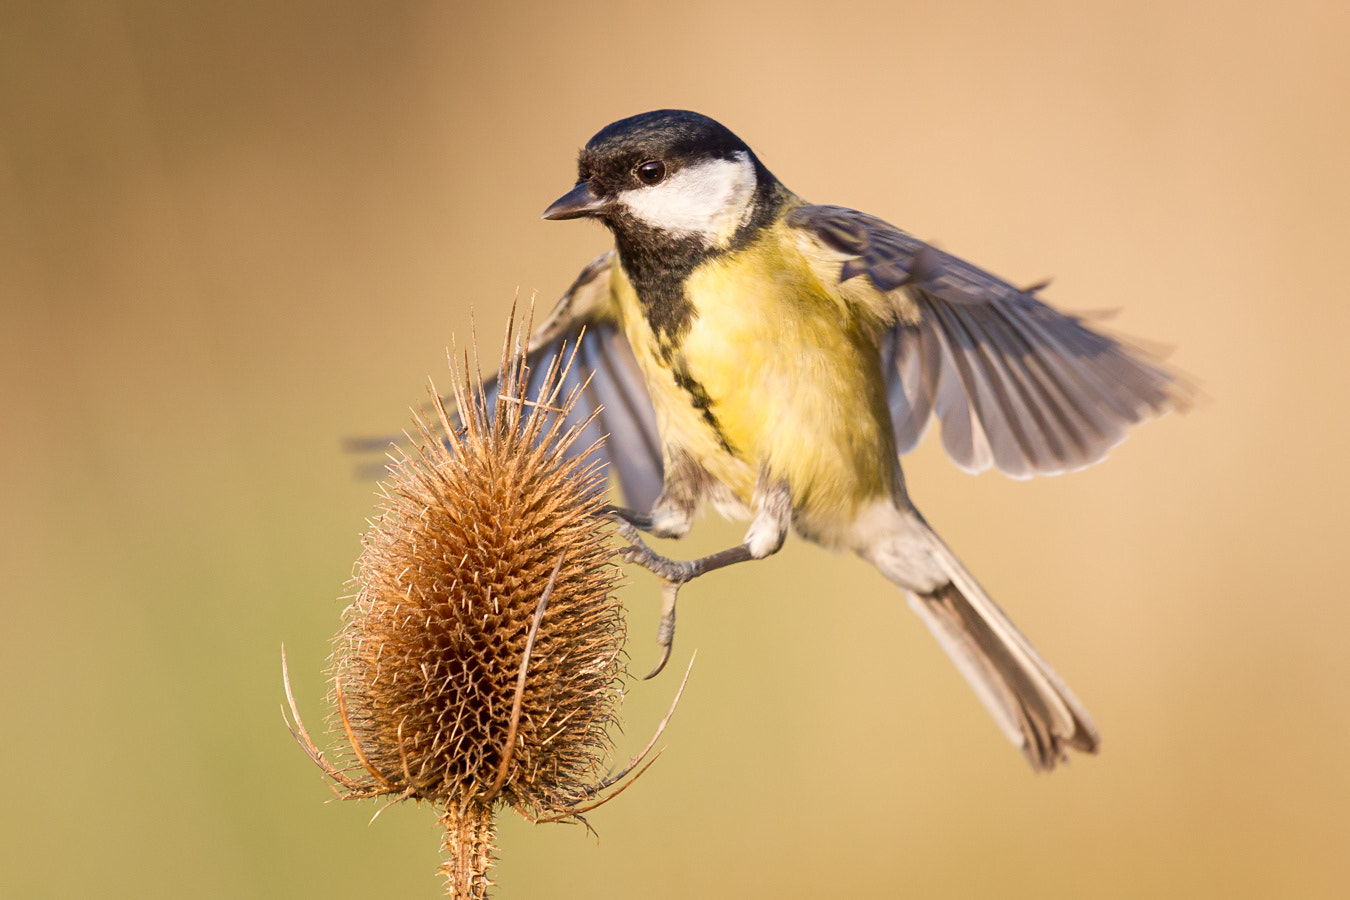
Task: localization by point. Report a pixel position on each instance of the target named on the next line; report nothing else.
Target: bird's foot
(673, 572)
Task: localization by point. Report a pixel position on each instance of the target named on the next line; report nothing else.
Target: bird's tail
(1033, 706)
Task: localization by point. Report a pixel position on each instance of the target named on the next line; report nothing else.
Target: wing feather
(617, 389)
(584, 334)
(583, 337)
(915, 356)
(1016, 384)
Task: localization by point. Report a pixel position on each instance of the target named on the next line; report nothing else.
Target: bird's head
(669, 173)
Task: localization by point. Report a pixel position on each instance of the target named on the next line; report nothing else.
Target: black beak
(579, 201)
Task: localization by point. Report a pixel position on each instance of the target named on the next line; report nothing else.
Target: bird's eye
(651, 172)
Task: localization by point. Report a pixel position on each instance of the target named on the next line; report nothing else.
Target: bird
(743, 349)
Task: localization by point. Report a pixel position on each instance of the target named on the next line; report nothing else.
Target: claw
(673, 573)
(665, 632)
(660, 663)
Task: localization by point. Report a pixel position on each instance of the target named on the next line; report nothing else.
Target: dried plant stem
(467, 848)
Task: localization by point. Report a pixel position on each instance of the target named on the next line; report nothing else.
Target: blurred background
(233, 234)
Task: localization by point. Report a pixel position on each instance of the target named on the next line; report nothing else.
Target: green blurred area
(232, 235)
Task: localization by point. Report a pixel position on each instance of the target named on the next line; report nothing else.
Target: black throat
(659, 263)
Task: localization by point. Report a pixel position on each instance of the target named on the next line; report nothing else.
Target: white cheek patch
(710, 198)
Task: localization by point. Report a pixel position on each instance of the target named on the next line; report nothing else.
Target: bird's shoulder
(878, 265)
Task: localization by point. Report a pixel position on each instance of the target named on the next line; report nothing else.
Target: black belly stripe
(699, 399)
(659, 263)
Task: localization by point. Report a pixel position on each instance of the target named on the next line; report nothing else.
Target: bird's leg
(675, 574)
(675, 571)
(768, 529)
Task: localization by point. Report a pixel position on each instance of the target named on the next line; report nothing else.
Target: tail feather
(1032, 704)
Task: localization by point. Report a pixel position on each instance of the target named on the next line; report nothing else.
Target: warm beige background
(230, 238)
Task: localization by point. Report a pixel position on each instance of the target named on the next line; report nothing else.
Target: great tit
(775, 359)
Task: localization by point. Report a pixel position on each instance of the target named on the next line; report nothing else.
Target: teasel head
(479, 663)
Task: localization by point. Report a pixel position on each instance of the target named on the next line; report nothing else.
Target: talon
(660, 664)
(665, 632)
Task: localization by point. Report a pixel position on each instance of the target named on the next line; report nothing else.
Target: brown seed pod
(479, 662)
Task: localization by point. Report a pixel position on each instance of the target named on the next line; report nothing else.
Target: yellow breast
(790, 376)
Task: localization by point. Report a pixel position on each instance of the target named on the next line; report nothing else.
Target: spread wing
(582, 333)
(1015, 383)
(606, 372)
